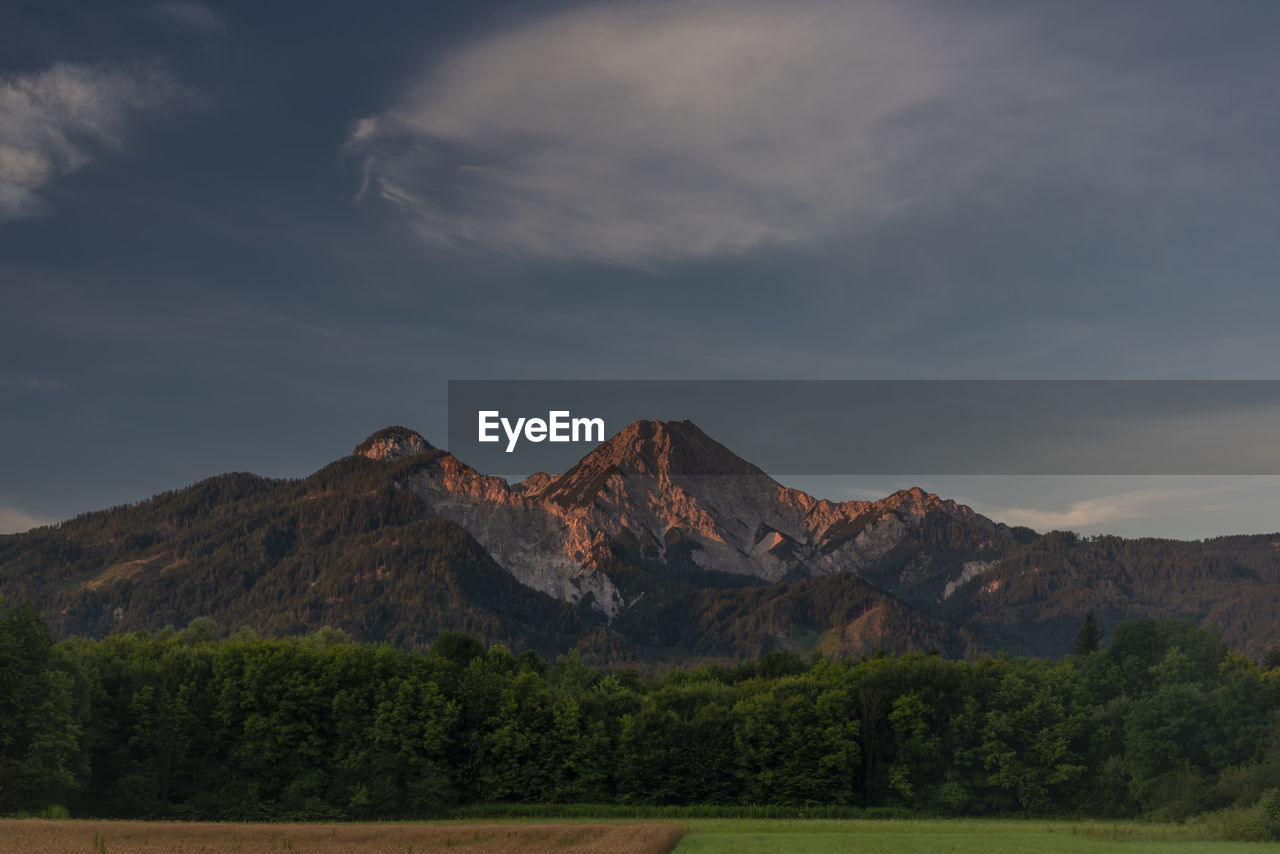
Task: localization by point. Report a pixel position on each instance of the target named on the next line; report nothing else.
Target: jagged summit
(664, 492)
(393, 443)
(667, 493)
(916, 501)
(666, 447)
(654, 449)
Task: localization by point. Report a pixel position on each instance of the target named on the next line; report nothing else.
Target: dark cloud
(650, 190)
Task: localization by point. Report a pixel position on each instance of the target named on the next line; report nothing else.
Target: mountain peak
(392, 443)
(666, 447)
(653, 449)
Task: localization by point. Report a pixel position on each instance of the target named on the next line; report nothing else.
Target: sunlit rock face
(664, 492)
(393, 443)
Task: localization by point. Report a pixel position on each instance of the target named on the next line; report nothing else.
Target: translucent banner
(867, 427)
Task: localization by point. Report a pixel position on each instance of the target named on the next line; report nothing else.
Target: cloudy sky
(243, 236)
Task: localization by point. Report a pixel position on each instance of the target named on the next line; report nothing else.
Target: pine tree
(1089, 636)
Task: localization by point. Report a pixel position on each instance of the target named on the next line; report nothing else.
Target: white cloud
(633, 132)
(188, 15)
(15, 521)
(52, 122)
(363, 132)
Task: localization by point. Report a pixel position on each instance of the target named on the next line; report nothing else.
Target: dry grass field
(136, 837)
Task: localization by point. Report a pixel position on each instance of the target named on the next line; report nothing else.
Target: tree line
(1161, 719)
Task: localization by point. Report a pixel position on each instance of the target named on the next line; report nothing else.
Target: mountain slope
(659, 544)
(665, 492)
(1032, 600)
(343, 548)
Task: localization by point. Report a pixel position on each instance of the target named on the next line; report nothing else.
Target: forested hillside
(1031, 602)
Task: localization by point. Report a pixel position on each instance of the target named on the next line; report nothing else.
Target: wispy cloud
(191, 16)
(1103, 512)
(634, 132)
(14, 520)
(54, 121)
(41, 384)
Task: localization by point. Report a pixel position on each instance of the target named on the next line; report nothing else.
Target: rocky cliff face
(662, 491)
(392, 443)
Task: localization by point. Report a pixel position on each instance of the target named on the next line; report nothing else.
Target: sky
(243, 236)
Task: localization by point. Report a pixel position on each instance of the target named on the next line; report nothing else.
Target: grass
(962, 836)
(167, 837)
(700, 836)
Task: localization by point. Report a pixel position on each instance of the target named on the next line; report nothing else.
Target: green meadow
(729, 836)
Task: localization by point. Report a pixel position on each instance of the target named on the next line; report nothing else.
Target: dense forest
(1161, 719)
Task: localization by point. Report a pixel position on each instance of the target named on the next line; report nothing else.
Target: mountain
(1033, 598)
(343, 547)
(659, 544)
(666, 492)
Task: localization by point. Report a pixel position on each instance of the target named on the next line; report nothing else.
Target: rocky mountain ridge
(667, 492)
